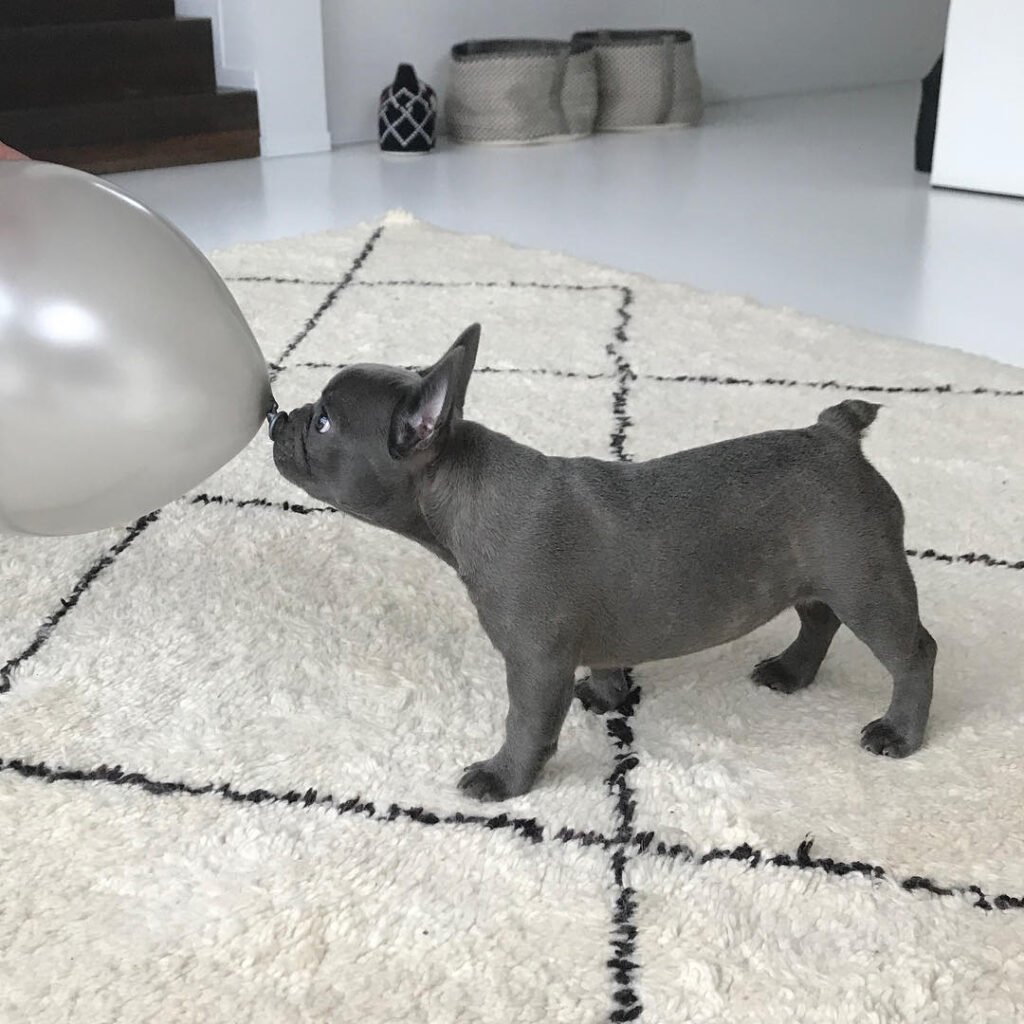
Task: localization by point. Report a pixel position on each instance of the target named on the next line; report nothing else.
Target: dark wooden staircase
(117, 85)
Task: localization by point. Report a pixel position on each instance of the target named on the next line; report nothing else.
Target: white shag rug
(231, 734)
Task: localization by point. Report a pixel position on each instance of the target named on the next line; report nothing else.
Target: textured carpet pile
(230, 735)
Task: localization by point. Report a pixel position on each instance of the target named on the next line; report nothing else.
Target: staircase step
(56, 65)
(124, 135)
(205, 148)
(59, 12)
(117, 121)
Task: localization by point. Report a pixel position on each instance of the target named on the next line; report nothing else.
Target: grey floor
(809, 202)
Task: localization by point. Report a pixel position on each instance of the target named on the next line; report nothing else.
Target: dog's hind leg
(604, 690)
(884, 615)
(798, 664)
(911, 663)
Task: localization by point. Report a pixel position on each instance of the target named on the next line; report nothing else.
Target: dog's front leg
(540, 690)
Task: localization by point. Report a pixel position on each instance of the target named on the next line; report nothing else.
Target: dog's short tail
(850, 418)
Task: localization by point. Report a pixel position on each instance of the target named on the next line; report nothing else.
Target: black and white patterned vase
(407, 115)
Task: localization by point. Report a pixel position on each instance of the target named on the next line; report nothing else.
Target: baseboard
(282, 144)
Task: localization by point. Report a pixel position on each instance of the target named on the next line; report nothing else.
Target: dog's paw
(881, 737)
(484, 781)
(773, 674)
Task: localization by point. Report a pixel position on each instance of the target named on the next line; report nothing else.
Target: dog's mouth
(290, 452)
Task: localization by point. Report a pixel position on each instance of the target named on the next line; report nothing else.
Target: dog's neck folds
(463, 495)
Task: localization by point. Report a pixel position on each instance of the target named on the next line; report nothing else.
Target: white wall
(276, 48)
(744, 47)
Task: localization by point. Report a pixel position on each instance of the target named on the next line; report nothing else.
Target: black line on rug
(581, 838)
(270, 279)
(970, 558)
(624, 931)
(527, 828)
(530, 829)
(832, 385)
(622, 962)
(67, 604)
(281, 506)
(540, 371)
(332, 295)
(554, 286)
(803, 860)
(417, 283)
(624, 376)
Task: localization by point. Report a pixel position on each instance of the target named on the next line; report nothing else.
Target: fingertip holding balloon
(128, 374)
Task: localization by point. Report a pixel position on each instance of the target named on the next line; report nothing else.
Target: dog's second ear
(423, 417)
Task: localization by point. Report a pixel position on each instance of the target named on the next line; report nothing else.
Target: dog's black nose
(274, 417)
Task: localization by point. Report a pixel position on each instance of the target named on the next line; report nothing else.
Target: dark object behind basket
(927, 115)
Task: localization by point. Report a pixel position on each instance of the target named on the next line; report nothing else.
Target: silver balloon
(127, 371)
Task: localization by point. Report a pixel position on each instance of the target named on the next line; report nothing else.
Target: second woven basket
(646, 79)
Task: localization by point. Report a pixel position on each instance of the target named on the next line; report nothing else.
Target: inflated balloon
(127, 371)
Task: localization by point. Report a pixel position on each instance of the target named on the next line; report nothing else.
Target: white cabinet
(979, 140)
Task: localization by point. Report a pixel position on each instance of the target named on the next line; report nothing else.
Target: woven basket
(646, 79)
(520, 91)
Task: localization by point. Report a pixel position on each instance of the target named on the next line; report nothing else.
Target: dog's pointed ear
(424, 416)
(467, 342)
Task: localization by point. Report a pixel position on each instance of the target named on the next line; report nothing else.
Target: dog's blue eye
(323, 424)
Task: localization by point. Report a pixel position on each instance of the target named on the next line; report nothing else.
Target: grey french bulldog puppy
(583, 562)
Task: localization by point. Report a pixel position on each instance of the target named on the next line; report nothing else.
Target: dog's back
(663, 557)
